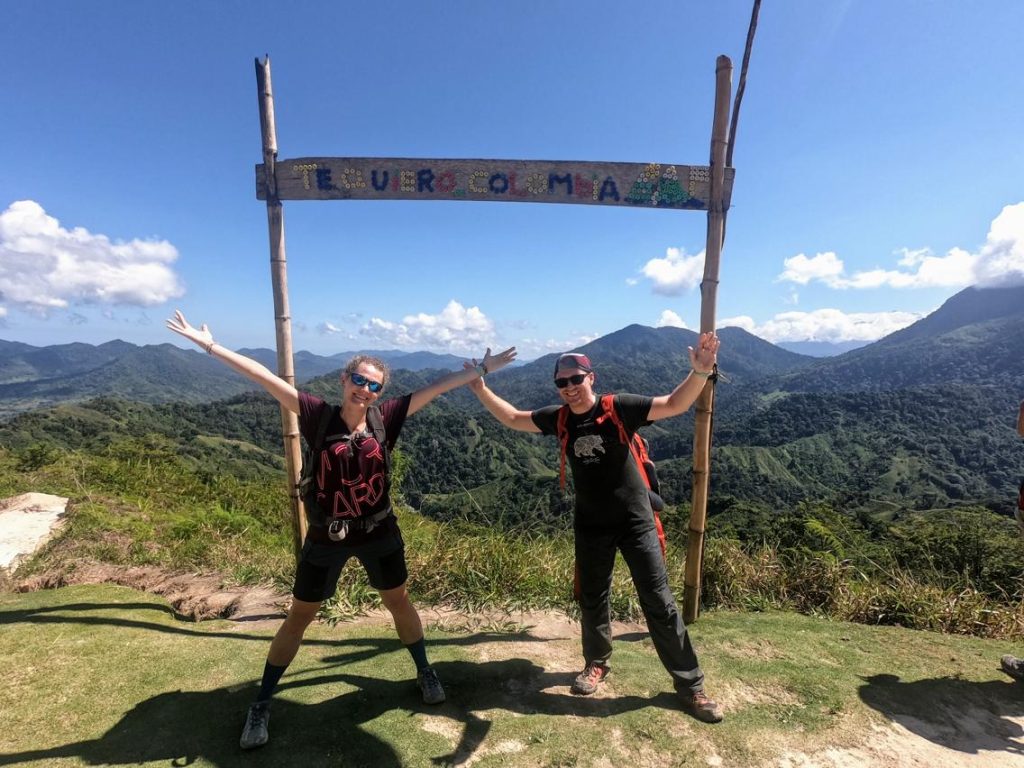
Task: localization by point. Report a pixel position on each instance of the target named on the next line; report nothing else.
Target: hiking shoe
(1012, 666)
(701, 707)
(255, 732)
(433, 691)
(591, 677)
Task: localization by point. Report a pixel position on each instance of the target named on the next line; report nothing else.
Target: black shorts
(320, 565)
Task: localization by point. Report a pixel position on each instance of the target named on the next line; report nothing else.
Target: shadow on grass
(181, 727)
(958, 714)
(52, 615)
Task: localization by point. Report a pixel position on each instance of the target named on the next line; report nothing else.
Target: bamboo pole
(709, 292)
(282, 314)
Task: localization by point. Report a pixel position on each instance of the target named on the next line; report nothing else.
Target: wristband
(209, 347)
(481, 369)
(701, 374)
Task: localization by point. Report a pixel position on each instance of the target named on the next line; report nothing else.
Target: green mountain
(923, 419)
(23, 362)
(37, 377)
(148, 374)
(976, 337)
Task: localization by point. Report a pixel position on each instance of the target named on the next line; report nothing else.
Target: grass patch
(139, 504)
(129, 683)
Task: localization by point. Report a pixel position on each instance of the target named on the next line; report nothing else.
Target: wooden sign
(644, 185)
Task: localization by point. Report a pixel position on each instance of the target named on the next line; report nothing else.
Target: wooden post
(282, 314)
(709, 292)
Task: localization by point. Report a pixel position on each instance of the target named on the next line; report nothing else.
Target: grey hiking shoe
(255, 732)
(701, 707)
(593, 675)
(1012, 666)
(433, 691)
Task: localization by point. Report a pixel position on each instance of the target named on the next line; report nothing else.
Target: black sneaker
(433, 691)
(591, 677)
(1012, 666)
(255, 732)
(701, 707)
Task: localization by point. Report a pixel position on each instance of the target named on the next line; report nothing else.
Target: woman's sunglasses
(361, 381)
(576, 379)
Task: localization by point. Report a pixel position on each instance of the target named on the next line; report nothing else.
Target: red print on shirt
(353, 474)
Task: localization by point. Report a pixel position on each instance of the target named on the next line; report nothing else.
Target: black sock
(271, 677)
(418, 651)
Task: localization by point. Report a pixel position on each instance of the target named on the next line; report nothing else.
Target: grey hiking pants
(595, 558)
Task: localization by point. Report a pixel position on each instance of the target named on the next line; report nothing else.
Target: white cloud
(827, 325)
(540, 347)
(826, 267)
(454, 329)
(676, 273)
(740, 321)
(327, 329)
(45, 267)
(3, 311)
(1000, 261)
(670, 319)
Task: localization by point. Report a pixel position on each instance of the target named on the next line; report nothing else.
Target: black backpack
(307, 485)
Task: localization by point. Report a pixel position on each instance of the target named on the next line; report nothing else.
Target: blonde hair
(376, 362)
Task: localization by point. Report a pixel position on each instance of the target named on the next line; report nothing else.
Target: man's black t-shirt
(609, 488)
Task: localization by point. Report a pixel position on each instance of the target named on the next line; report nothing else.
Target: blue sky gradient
(879, 167)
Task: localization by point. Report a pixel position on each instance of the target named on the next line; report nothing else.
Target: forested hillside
(921, 420)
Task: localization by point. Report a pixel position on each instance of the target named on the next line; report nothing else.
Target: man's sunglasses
(576, 379)
(361, 381)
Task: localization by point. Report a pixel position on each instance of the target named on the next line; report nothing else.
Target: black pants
(595, 558)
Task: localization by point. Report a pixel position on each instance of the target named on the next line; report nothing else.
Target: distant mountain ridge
(920, 422)
(975, 336)
(37, 377)
(968, 307)
(822, 348)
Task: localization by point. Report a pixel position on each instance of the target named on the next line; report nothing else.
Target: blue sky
(879, 166)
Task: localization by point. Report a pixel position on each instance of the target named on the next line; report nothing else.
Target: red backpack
(637, 447)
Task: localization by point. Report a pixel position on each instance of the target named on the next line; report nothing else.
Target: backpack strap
(309, 467)
(610, 412)
(563, 441)
(375, 421)
(321, 429)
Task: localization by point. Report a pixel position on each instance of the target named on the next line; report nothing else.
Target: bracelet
(481, 369)
(209, 347)
(701, 374)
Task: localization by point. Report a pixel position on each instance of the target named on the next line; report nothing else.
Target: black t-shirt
(609, 488)
(350, 475)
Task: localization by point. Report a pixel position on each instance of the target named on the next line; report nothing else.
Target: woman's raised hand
(200, 336)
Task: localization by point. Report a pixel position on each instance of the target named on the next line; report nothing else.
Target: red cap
(573, 360)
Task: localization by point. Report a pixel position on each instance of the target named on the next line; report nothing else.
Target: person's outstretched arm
(256, 372)
(490, 364)
(502, 410)
(702, 363)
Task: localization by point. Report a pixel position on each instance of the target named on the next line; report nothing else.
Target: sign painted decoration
(649, 185)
